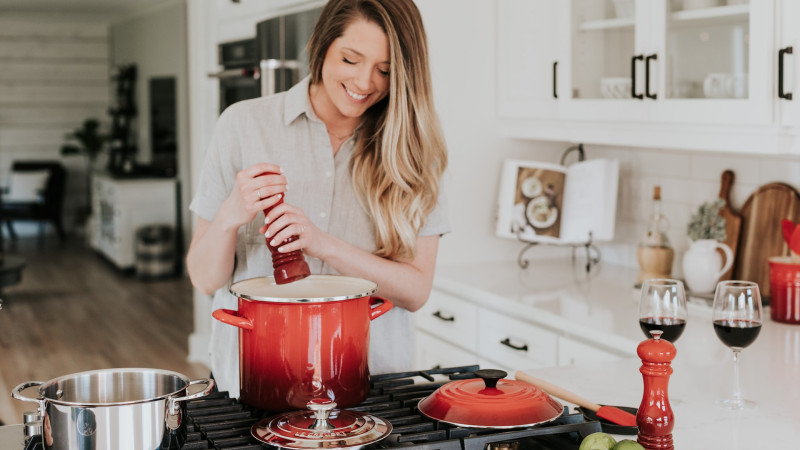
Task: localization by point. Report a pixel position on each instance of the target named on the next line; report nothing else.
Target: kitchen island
(603, 307)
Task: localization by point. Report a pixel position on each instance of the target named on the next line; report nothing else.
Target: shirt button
(323, 214)
(328, 173)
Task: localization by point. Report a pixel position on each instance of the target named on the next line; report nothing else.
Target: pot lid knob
(490, 377)
(321, 407)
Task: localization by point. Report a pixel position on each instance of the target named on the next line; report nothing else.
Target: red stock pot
(304, 340)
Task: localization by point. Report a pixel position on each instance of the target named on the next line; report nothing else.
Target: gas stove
(220, 422)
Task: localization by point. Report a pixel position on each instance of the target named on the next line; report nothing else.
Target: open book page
(531, 197)
(542, 202)
(590, 201)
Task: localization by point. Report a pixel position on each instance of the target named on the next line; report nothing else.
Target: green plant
(706, 223)
(88, 141)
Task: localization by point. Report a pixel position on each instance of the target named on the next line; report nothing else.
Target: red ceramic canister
(305, 340)
(784, 290)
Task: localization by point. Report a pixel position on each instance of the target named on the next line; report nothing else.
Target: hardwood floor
(73, 311)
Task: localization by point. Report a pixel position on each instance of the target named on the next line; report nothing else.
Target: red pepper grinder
(654, 418)
(287, 267)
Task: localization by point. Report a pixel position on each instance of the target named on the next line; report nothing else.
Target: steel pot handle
(229, 316)
(383, 307)
(174, 418)
(16, 392)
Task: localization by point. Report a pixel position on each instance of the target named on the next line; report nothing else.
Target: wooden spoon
(609, 413)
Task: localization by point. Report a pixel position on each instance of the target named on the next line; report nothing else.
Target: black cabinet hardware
(781, 54)
(633, 76)
(439, 315)
(507, 343)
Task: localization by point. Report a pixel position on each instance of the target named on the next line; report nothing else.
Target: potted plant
(89, 142)
(702, 264)
(784, 277)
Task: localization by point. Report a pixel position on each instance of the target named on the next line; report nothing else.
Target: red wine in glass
(671, 326)
(737, 333)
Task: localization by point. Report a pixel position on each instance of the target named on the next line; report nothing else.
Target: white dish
(531, 187)
(540, 213)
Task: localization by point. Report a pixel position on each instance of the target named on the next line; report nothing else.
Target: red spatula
(609, 413)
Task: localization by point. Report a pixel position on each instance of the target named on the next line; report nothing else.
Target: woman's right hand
(257, 188)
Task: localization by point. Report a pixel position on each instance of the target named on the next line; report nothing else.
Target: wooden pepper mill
(655, 418)
(287, 267)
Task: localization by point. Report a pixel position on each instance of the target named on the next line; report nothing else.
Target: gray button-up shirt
(283, 129)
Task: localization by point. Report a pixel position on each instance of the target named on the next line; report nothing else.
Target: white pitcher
(702, 264)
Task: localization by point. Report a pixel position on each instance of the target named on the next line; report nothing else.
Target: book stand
(592, 251)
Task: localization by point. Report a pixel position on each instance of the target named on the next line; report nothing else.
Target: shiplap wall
(53, 75)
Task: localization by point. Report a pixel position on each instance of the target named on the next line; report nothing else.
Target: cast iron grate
(220, 422)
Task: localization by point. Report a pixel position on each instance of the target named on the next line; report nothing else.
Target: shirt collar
(298, 102)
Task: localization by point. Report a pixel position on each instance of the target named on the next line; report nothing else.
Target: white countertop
(605, 308)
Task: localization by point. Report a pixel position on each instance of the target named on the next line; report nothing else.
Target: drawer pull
(440, 316)
(507, 343)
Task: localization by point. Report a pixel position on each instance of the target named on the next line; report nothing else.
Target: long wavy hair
(400, 153)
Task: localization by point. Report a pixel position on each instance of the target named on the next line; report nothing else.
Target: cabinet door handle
(507, 343)
(555, 71)
(781, 54)
(647, 60)
(633, 76)
(440, 316)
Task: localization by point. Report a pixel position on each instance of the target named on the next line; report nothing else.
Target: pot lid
(490, 401)
(312, 289)
(321, 426)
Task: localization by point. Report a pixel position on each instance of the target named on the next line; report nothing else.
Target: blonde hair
(400, 154)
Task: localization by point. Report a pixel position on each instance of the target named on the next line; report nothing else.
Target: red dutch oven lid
(490, 402)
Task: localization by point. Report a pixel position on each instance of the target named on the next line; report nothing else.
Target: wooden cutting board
(733, 221)
(761, 236)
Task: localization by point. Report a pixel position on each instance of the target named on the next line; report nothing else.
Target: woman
(356, 152)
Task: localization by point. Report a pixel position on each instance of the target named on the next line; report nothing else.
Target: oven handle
(234, 73)
(268, 69)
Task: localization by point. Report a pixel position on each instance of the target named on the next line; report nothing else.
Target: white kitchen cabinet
(450, 318)
(121, 206)
(787, 63)
(669, 62)
(456, 330)
(432, 351)
(527, 58)
(689, 74)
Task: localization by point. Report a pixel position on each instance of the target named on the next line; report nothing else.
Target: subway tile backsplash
(687, 180)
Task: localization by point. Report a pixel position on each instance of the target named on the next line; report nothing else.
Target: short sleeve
(437, 222)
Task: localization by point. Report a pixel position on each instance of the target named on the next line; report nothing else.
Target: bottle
(655, 254)
(655, 418)
(287, 267)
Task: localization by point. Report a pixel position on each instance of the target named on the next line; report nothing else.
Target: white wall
(156, 42)
(53, 76)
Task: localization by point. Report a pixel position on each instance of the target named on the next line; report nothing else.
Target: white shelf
(709, 16)
(607, 24)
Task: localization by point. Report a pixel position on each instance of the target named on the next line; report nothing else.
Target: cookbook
(545, 202)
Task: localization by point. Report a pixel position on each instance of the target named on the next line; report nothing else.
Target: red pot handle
(383, 307)
(229, 316)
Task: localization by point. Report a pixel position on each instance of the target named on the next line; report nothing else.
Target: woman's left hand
(285, 221)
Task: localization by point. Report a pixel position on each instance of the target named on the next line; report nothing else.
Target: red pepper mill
(655, 419)
(287, 267)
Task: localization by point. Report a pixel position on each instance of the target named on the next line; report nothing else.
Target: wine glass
(737, 322)
(662, 306)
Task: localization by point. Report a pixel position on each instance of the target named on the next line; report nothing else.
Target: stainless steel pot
(114, 408)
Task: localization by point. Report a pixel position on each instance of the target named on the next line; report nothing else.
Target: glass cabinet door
(707, 48)
(603, 73)
(717, 64)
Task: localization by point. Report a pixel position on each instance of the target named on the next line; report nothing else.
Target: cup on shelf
(726, 85)
(615, 87)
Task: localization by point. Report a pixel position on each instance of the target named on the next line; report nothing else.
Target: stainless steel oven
(239, 77)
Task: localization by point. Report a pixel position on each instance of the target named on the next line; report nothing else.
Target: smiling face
(355, 73)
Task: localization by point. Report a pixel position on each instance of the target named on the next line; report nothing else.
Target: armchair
(35, 193)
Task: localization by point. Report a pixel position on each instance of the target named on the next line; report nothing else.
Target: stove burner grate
(219, 422)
